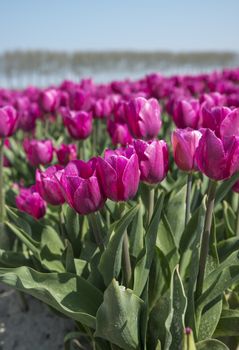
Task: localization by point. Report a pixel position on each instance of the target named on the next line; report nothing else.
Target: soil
(39, 328)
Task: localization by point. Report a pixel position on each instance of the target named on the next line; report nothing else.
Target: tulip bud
(66, 153)
(30, 201)
(50, 100)
(144, 117)
(80, 186)
(153, 160)
(185, 142)
(48, 186)
(186, 114)
(119, 133)
(79, 124)
(8, 121)
(119, 174)
(38, 151)
(215, 158)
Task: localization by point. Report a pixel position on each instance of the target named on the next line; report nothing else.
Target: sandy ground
(37, 329)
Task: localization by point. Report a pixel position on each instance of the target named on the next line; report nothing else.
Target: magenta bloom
(235, 187)
(79, 124)
(186, 114)
(38, 151)
(144, 117)
(213, 117)
(153, 160)
(119, 133)
(50, 100)
(119, 174)
(66, 153)
(215, 158)
(8, 121)
(48, 186)
(81, 187)
(185, 142)
(30, 201)
(230, 125)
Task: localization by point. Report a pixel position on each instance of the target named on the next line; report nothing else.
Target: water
(41, 68)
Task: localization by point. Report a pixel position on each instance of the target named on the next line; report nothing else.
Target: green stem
(81, 151)
(188, 198)
(150, 203)
(206, 235)
(237, 219)
(126, 260)
(96, 231)
(2, 196)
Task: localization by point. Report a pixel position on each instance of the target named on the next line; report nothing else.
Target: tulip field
(119, 208)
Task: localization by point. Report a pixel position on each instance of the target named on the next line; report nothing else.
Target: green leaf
(110, 262)
(228, 325)
(178, 307)
(142, 268)
(225, 187)
(211, 344)
(136, 235)
(176, 212)
(114, 322)
(67, 293)
(14, 259)
(72, 225)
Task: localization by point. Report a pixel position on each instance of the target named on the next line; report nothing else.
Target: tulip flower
(185, 142)
(119, 133)
(217, 159)
(79, 124)
(119, 174)
(213, 117)
(230, 125)
(50, 100)
(153, 160)
(38, 151)
(30, 201)
(8, 121)
(144, 117)
(186, 114)
(80, 186)
(66, 153)
(48, 186)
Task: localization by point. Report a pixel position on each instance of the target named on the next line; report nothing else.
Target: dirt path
(37, 329)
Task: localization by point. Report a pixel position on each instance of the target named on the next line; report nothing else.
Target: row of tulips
(175, 254)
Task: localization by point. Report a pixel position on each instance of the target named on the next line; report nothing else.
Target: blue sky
(176, 25)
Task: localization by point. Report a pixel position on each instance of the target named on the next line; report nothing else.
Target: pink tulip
(66, 153)
(153, 160)
(186, 114)
(8, 121)
(38, 151)
(215, 158)
(81, 187)
(30, 201)
(48, 186)
(185, 142)
(119, 174)
(144, 117)
(79, 124)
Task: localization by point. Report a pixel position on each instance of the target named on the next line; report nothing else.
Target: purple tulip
(48, 186)
(215, 158)
(81, 187)
(213, 117)
(119, 174)
(50, 100)
(230, 125)
(144, 117)
(66, 153)
(153, 160)
(119, 133)
(30, 201)
(38, 151)
(185, 142)
(8, 121)
(186, 114)
(79, 124)
(235, 187)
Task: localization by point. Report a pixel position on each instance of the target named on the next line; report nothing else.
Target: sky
(70, 25)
